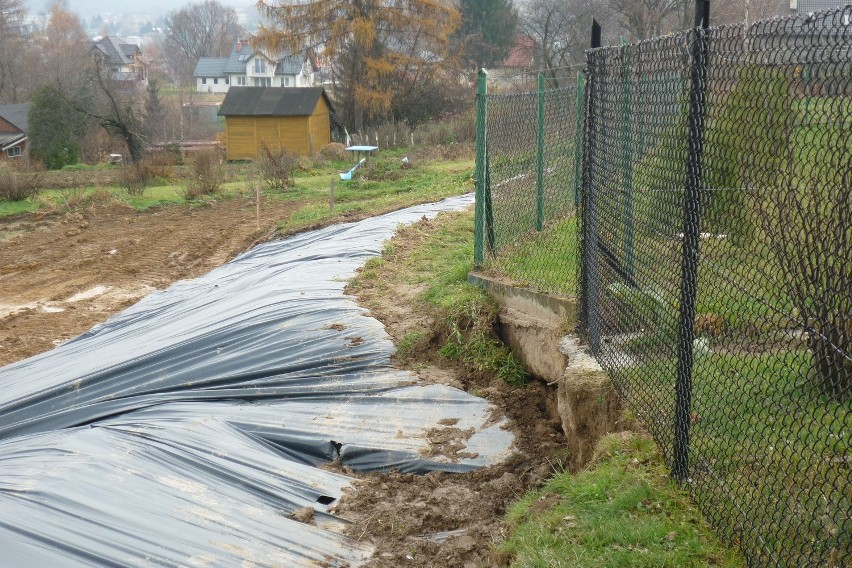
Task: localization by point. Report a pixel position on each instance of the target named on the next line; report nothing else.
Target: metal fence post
(481, 167)
(691, 227)
(539, 158)
(626, 131)
(590, 262)
(578, 142)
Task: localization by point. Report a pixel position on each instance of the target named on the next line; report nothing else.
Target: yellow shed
(296, 119)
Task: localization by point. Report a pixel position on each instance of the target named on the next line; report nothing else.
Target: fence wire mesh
(717, 269)
(533, 179)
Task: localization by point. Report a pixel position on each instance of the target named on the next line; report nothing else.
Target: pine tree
(487, 30)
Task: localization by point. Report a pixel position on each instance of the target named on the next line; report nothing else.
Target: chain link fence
(531, 170)
(718, 274)
(716, 265)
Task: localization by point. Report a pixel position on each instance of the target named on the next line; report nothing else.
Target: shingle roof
(237, 59)
(289, 65)
(8, 140)
(235, 63)
(211, 67)
(271, 101)
(18, 115)
(117, 51)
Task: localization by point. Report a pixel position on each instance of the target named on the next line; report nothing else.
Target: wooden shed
(296, 119)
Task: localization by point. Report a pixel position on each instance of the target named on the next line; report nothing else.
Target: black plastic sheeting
(185, 431)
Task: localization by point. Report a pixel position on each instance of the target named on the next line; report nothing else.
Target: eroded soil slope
(60, 274)
(446, 519)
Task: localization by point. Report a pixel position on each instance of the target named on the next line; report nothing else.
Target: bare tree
(206, 29)
(561, 32)
(644, 19)
(12, 41)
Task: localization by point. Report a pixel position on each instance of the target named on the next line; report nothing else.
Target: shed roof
(272, 101)
(18, 115)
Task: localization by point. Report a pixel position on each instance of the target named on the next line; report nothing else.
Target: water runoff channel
(187, 429)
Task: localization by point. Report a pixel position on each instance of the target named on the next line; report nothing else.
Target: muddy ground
(61, 273)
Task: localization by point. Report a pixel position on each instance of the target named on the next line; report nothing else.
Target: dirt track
(60, 274)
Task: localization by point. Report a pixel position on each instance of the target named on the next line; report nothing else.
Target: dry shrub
(208, 175)
(18, 185)
(159, 164)
(134, 178)
(334, 151)
(275, 167)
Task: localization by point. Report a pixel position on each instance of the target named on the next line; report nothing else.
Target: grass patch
(384, 186)
(768, 455)
(465, 311)
(370, 193)
(622, 511)
(546, 260)
(434, 258)
(9, 208)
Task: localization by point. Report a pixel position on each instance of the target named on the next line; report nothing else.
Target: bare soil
(62, 273)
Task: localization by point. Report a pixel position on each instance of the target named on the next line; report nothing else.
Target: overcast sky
(88, 8)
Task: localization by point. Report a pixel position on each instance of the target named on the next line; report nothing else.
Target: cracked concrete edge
(545, 307)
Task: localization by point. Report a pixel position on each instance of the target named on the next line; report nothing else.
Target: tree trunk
(832, 366)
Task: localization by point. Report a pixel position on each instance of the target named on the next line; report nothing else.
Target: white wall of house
(212, 84)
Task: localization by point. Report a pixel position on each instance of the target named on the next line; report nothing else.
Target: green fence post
(578, 143)
(481, 165)
(539, 158)
(627, 129)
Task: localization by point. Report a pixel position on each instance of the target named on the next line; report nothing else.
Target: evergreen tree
(487, 30)
(55, 129)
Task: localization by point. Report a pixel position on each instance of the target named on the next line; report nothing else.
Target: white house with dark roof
(246, 67)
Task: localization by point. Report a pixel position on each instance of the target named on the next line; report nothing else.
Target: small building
(14, 130)
(295, 119)
(124, 60)
(246, 67)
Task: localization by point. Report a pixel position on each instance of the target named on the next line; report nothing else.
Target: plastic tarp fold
(187, 429)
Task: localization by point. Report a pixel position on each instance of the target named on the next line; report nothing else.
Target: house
(14, 130)
(522, 54)
(246, 67)
(518, 69)
(124, 59)
(297, 119)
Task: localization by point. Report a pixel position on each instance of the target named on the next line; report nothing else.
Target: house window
(204, 80)
(227, 81)
(241, 81)
(262, 82)
(259, 66)
(14, 151)
(216, 80)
